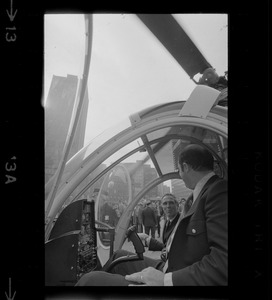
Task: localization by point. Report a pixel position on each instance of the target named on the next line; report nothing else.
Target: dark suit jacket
(149, 217)
(199, 251)
(154, 244)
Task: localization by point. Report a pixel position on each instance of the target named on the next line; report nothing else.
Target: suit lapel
(207, 184)
(193, 207)
(166, 228)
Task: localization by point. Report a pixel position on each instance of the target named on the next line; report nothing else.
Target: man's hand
(143, 236)
(164, 254)
(149, 276)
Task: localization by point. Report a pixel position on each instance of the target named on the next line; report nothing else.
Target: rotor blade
(177, 42)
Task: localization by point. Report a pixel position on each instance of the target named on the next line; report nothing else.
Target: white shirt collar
(171, 220)
(201, 184)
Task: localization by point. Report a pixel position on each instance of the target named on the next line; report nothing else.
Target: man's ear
(186, 167)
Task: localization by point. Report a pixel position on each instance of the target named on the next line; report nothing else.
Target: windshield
(129, 71)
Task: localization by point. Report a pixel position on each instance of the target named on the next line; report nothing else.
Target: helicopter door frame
(122, 226)
(120, 140)
(114, 144)
(124, 220)
(99, 242)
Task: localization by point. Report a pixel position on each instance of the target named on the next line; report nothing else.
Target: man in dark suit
(170, 207)
(197, 250)
(149, 218)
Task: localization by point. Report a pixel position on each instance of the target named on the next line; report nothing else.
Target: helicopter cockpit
(133, 161)
(111, 168)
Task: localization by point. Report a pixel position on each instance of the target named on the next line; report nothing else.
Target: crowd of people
(149, 216)
(109, 211)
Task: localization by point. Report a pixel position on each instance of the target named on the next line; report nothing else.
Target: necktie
(187, 206)
(167, 225)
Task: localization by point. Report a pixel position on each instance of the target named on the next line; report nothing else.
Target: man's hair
(198, 157)
(169, 195)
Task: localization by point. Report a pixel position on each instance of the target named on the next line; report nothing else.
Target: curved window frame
(141, 128)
